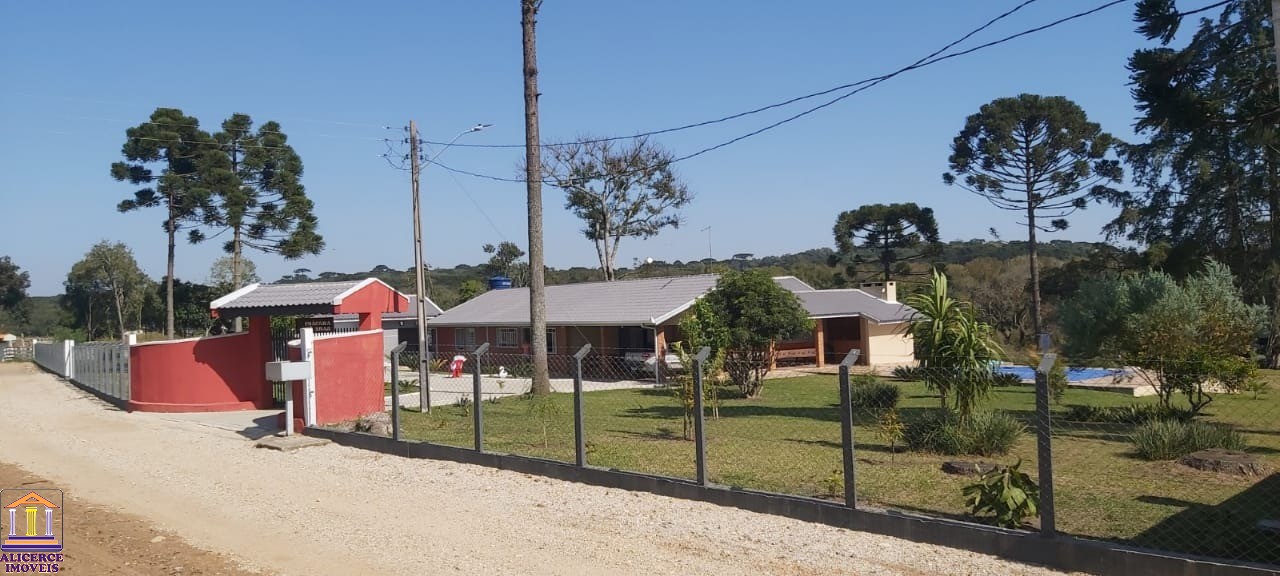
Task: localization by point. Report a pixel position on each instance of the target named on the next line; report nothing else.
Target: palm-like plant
(954, 347)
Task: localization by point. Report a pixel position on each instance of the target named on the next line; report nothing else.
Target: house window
(551, 338)
(508, 338)
(464, 338)
(431, 339)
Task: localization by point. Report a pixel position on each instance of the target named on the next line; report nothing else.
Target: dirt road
(103, 542)
(336, 510)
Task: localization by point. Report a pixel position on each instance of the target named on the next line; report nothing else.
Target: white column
(48, 521)
(13, 521)
(69, 347)
(308, 338)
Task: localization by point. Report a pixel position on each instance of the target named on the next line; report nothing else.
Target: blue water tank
(499, 283)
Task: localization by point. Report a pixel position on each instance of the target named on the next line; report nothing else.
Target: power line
(467, 193)
(783, 103)
(859, 86)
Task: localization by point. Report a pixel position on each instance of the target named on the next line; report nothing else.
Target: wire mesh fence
(1176, 456)
(1127, 458)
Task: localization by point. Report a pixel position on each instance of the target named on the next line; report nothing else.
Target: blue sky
(335, 73)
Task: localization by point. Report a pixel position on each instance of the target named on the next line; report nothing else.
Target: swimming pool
(1073, 374)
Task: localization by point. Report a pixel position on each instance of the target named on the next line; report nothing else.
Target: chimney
(887, 291)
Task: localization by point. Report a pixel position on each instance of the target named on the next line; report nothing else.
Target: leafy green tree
(504, 260)
(619, 191)
(13, 284)
(256, 179)
(222, 274)
(170, 142)
(1208, 175)
(469, 289)
(700, 327)
(954, 348)
(1037, 155)
(884, 235)
(755, 314)
(1184, 336)
(108, 280)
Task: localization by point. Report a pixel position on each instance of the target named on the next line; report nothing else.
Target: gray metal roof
(315, 296)
(851, 302)
(620, 303)
(792, 283)
(271, 295)
(644, 301)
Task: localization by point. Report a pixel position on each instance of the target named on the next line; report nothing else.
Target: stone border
(1066, 553)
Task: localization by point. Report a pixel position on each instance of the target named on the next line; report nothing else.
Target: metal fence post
(424, 387)
(1044, 446)
(846, 430)
(699, 433)
(579, 428)
(477, 412)
(396, 353)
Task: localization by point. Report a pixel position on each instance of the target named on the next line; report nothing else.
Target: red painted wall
(200, 374)
(375, 297)
(348, 377)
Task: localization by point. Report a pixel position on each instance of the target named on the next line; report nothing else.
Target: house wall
(889, 344)
(217, 373)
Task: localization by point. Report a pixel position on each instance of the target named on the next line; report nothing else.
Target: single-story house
(643, 315)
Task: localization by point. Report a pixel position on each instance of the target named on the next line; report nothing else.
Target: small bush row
(1173, 439)
(1131, 414)
(982, 434)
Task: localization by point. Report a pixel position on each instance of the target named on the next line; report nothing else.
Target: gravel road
(336, 510)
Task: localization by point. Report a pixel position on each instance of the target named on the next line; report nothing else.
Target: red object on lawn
(456, 365)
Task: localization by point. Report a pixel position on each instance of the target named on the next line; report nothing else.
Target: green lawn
(788, 441)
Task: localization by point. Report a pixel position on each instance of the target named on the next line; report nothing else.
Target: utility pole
(533, 185)
(424, 394)
(708, 231)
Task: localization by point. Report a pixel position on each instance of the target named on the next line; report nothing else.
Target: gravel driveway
(341, 511)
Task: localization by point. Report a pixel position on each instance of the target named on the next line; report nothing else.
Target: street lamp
(424, 353)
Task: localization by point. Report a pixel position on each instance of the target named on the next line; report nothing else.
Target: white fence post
(308, 338)
(69, 359)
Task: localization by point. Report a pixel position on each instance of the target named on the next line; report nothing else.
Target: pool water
(1073, 374)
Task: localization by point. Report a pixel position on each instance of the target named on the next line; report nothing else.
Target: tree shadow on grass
(823, 414)
(1228, 530)
(1165, 501)
(662, 433)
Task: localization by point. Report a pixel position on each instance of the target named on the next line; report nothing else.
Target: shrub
(833, 484)
(1006, 379)
(992, 433)
(982, 434)
(1131, 414)
(1172, 439)
(872, 395)
(907, 373)
(934, 432)
(1006, 492)
(891, 430)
